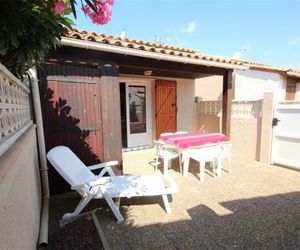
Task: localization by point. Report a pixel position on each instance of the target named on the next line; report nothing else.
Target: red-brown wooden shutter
(166, 106)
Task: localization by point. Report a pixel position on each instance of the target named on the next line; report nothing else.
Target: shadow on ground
(271, 222)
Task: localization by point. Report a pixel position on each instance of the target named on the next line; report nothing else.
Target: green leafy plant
(29, 29)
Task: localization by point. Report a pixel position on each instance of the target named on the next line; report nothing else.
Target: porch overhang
(293, 74)
(90, 45)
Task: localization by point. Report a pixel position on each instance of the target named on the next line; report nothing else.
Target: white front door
(138, 102)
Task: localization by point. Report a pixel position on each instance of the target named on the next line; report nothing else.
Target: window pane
(137, 109)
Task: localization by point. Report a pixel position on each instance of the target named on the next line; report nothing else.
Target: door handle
(275, 122)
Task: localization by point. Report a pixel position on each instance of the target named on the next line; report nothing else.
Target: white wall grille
(14, 105)
(210, 108)
(250, 109)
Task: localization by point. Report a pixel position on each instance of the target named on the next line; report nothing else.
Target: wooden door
(72, 114)
(166, 106)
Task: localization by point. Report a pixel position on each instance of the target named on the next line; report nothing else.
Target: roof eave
(266, 68)
(66, 41)
(293, 74)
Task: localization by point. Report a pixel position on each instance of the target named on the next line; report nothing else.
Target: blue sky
(266, 31)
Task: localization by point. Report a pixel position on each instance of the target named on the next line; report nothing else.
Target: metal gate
(286, 135)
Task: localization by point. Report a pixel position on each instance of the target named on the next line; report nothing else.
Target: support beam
(227, 99)
(132, 64)
(110, 111)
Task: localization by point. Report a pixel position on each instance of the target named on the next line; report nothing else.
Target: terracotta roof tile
(169, 50)
(146, 46)
(130, 43)
(294, 73)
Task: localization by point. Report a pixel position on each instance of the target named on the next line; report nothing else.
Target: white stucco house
(256, 92)
(251, 84)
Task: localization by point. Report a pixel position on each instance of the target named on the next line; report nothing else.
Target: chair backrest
(69, 166)
(180, 132)
(226, 150)
(166, 133)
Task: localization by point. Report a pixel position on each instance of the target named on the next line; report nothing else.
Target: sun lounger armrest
(90, 184)
(106, 170)
(103, 165)
(106, 167)
(80, 186)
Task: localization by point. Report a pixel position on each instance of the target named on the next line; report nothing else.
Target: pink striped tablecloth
(193, 139)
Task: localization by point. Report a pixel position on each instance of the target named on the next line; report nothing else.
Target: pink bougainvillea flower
(103, 14)
(111, 2)
(59, 7)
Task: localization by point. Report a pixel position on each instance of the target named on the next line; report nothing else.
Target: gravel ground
(256, 206)
(80, 234)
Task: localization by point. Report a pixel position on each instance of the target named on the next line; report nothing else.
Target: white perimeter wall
(20, 194)
(251, 85)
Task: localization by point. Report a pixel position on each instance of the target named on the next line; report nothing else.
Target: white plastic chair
(166, 133)
(166, 152)
(91, 186)
(225, 153)
(202, 155)
(214, 154)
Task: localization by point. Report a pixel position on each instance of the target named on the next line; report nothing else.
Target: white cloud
(123, 34)
(294, 41)
(237, 55)
(240, 54)
(188, 28)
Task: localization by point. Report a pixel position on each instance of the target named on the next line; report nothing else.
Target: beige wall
(20, 194)
(209, 123)
(245, 136)
(209, 88)
(187, 108)
(245, 133)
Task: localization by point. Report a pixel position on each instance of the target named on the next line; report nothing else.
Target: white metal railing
(246, 109)
(15, 115)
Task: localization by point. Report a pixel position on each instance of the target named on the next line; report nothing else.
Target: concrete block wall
(209, 123)
(250, 135)
(245, 136)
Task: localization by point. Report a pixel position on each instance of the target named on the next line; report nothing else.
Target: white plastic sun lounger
(91, 186)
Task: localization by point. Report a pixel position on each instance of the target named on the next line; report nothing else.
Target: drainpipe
(43, 235)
